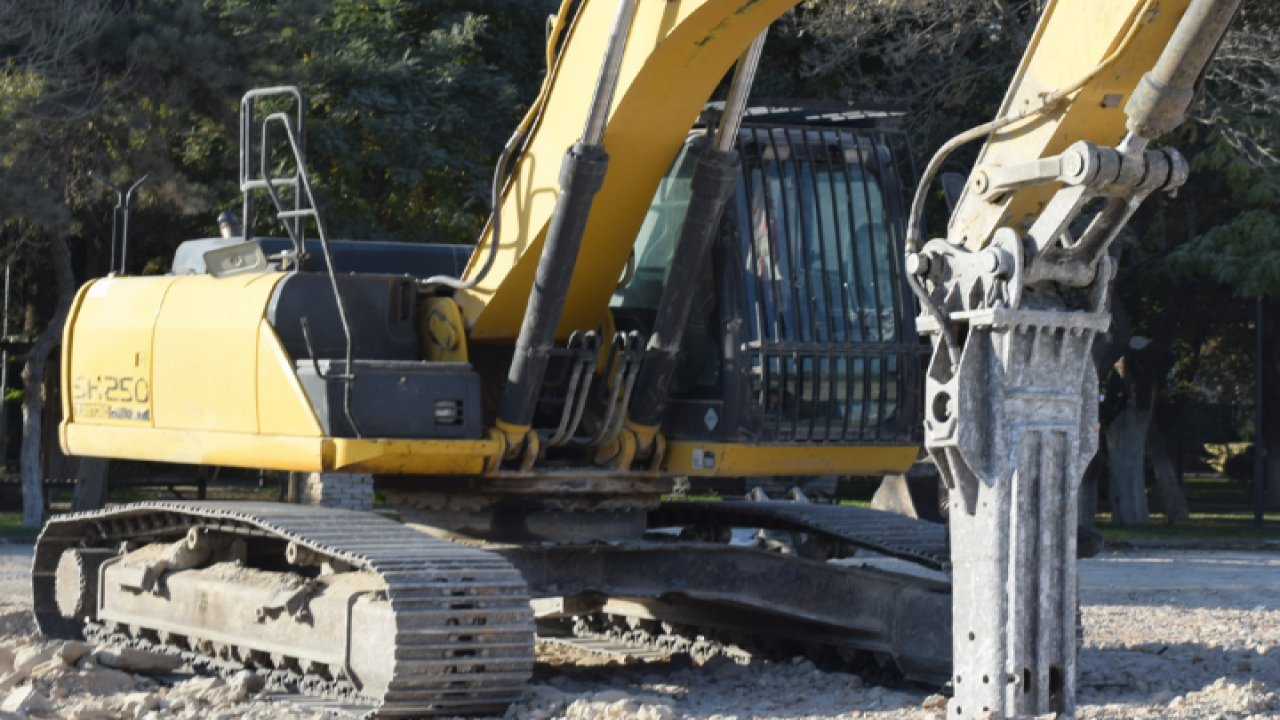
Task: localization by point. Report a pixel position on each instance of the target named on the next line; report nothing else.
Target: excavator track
(692, 584)
(622, 636)
(916, 541)
(463, 628)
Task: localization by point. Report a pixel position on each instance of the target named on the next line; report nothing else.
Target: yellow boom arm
(1083, 63)
(676, 54)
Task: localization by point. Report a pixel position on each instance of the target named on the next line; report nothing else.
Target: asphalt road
(1146, 570)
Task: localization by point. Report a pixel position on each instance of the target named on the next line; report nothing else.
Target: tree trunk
(1271, 471)
(1087, 500)
(1140, 375)
(33, 372)
(4, 406)
(1126, 437)
(1169, 489)
(1269, 442)
(1270, 448)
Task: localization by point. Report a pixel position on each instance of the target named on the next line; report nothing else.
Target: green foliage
(11, 529)
(411, 100)
(1235, 166)
(408, 115)
(1230, 530)
(1243, 253)
(1241, 248)
(946, 63)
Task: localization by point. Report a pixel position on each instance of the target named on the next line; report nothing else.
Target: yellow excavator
(661, 292)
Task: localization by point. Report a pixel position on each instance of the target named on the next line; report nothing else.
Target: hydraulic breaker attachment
(1011, 393)
(1011, 420)
(1012, 428)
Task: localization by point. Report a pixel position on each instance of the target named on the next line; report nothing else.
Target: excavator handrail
(248, 181)
(296, 231)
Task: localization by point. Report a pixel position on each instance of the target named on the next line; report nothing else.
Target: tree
(1232, 207)
(945, 63)
(1134, 382)
(47, 98)
(409, 106)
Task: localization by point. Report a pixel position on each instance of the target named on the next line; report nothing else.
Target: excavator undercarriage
(382, 619)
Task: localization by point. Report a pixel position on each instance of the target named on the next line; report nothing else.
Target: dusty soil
(1187, 634)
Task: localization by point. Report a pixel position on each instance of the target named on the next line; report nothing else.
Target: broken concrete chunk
(31, 656)
(106, 681)
(138, 704)
(12, 680)
(92, 713)
(72, 651)
(244, 684)
(206, 689)
(24, 700)
(139, 661)
(144, 699)
(50, 670)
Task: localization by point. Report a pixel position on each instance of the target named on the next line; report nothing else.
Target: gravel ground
(1186, 634)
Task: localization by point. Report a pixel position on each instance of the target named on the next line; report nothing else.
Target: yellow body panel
(676, 54)
(182, 353)
(221, 389)
(283, 407)
(113, 384)
(196, 447)
(414, 457)
(206, 352)
(729, 460)
(1072, 39)
(282, 452)
(200, 347)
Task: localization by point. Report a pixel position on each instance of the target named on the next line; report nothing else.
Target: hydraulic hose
(514, 144)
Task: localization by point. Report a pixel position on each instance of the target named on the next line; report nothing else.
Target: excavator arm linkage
(1012, 299)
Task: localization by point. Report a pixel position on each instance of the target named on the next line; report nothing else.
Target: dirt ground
(1169, 634)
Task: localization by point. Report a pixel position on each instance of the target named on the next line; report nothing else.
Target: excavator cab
(808, 336)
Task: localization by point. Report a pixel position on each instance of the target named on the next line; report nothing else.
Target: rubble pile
(73, 680)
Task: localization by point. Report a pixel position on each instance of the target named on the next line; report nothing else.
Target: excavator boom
(676, 53)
